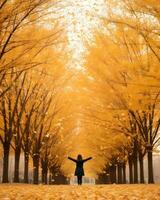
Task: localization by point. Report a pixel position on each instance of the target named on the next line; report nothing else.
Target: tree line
(126, 61)
(28, 104)
(27, 127)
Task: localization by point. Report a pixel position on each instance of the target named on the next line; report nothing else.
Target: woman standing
(79, 171)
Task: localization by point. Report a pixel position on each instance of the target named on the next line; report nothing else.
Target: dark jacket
(79, 171)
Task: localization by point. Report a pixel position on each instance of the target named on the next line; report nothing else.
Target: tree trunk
(111, 173)
(124, 173)
(108, 180)
(135, 165)
(46, 177)
(130, 162)
(50, 178)
(42, 175)
(150, 166)
(114, 174)
(6, 149)
(16, 165)
(26, 166)
(44, 164)
(119, 173)
(36, 169)
(141, 166)
(135, 162)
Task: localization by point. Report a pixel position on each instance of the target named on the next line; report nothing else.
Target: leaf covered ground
(74, 192)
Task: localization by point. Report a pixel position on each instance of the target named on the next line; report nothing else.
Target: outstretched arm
(87, 159)
(74, 160)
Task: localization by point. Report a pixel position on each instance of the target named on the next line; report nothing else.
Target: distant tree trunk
(50, 178)
(46, 177)
(52, 173)
(119, 173)
(135, 162)
(102, 179)
(6, 149)
(141, 166)
(150, 165)
(44, 172)
(26, 166)
(16, 165)
(113, 173)
(130, 162)
(108, 178)
(124, 173)
(36, 169)
(42, 175)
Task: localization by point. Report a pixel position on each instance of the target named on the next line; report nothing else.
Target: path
(86, 192)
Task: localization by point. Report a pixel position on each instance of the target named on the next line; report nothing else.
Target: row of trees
(28, 98)
(28, 111)
(128, 56)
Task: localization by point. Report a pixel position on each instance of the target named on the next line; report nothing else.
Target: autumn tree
(22, 36)
(49, 141)
(124, 63)
(9, 105)
(148, 125)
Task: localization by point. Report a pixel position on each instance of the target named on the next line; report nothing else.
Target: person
(79, 171)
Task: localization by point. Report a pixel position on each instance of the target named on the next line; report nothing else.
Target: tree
(48, 143)
(148, 124)
(9, 105)
(22, 38)
(122, 62)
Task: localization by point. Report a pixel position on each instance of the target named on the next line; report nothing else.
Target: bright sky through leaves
(81, 18)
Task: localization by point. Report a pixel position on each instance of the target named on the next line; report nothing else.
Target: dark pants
(79, 180)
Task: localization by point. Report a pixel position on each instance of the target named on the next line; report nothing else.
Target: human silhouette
(79, 171)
